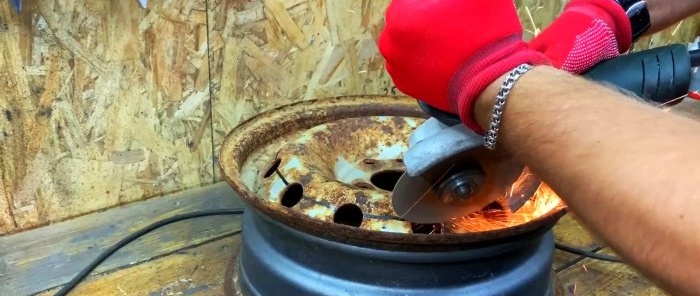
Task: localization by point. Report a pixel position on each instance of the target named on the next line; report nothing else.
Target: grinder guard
(442, 160)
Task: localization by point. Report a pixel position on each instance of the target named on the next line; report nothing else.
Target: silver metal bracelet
(492, 134)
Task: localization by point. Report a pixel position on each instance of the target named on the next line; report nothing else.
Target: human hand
(586, 33)
(446, 52)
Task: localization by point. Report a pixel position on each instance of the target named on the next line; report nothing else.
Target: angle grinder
(450, 174)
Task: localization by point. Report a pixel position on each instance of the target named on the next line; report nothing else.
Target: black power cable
(589, 254)
(125, 241)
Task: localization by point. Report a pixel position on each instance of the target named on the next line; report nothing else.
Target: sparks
(542, 202)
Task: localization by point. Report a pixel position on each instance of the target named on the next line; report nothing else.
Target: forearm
(629, 171)
(665, 13)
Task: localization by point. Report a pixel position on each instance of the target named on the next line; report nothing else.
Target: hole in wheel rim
(386, 180)
(292, 195)
(273, 168)
(494, 206)
(348, 214)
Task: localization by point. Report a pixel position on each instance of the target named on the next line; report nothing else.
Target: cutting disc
(488, 174)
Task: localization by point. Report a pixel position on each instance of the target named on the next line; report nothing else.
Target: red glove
(446, 52)
(586, 33)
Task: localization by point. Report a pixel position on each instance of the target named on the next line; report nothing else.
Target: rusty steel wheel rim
(253, 147)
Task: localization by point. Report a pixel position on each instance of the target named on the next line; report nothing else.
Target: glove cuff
(618, 18)
(482, 70)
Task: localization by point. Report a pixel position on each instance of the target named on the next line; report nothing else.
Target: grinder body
(660, 75)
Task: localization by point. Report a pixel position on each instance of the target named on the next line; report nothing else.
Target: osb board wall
(102, 104)
(105, 103)
(274, 52)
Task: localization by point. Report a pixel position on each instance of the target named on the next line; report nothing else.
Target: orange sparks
(543, 202)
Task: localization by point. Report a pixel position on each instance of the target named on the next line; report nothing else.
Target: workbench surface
(190, 257)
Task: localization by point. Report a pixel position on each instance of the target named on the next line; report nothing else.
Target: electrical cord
(237, 211)
(585, 253)
(132, 237)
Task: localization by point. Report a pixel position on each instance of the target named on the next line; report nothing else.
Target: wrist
(483, 105)
(476, 76)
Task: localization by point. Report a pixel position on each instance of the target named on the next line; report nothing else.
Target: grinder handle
(660, 74)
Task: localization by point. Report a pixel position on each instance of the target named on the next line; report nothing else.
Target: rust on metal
(301, 163)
